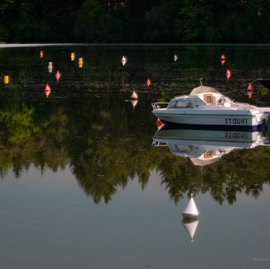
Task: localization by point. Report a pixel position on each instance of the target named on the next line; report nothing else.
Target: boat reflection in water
(205, 147)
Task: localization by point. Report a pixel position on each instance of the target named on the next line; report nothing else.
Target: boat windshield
(203, 89)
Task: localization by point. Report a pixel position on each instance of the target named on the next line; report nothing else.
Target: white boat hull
(215, 119)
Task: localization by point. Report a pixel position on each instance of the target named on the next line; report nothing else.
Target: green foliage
(135, 20)
(19, 120)
(193, 19)
(157, 25)
(93, 23)
(20, 22)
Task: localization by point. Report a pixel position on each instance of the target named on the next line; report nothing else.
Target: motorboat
(205, 147)
(205, 107)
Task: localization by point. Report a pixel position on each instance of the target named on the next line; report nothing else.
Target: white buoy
(191, 226)
(124, 60)
(191, 209)
(134, 95)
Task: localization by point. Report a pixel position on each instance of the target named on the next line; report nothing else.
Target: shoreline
(19, 45)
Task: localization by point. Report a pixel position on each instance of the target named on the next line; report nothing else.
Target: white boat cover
(202, 89)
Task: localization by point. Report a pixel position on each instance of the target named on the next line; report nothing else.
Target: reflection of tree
(223, 179)
(104, 155)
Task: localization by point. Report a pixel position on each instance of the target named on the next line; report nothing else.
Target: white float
(190, 210)
(134, 95)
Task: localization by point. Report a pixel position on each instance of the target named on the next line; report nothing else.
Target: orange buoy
(228, 73)
(47, 90)
(58, 75)
(148, 82)
(41, 54)
(175, 57)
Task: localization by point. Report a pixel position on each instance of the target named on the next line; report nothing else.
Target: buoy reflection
(190, 226)
(134, 103)
(228, 73)
(249, 90)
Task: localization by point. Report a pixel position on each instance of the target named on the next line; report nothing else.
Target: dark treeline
(226, 21)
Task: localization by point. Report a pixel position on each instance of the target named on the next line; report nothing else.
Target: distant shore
(18, 45)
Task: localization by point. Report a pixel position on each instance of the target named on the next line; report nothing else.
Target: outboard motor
(266, 118)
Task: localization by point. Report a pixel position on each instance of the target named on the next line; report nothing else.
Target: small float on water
(191, 210)
(134, 95)
(124, 60)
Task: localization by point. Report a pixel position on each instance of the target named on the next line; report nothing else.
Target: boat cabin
(200, 96)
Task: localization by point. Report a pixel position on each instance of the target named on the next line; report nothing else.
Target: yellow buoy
(72, 56)
(80, 62)
(6, 79)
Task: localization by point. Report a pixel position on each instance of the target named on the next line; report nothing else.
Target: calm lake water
(84, 186)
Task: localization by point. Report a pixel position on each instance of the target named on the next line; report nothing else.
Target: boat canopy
(202, 89)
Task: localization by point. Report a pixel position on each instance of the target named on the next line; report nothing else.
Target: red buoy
(47, 90)
(148, 82)
(41, 54)
(58, 75)
(160, 123)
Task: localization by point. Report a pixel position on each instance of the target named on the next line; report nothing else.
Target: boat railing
(159, 144)
(159, 105)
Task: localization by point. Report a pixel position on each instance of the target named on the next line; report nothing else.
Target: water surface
(82, 186)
